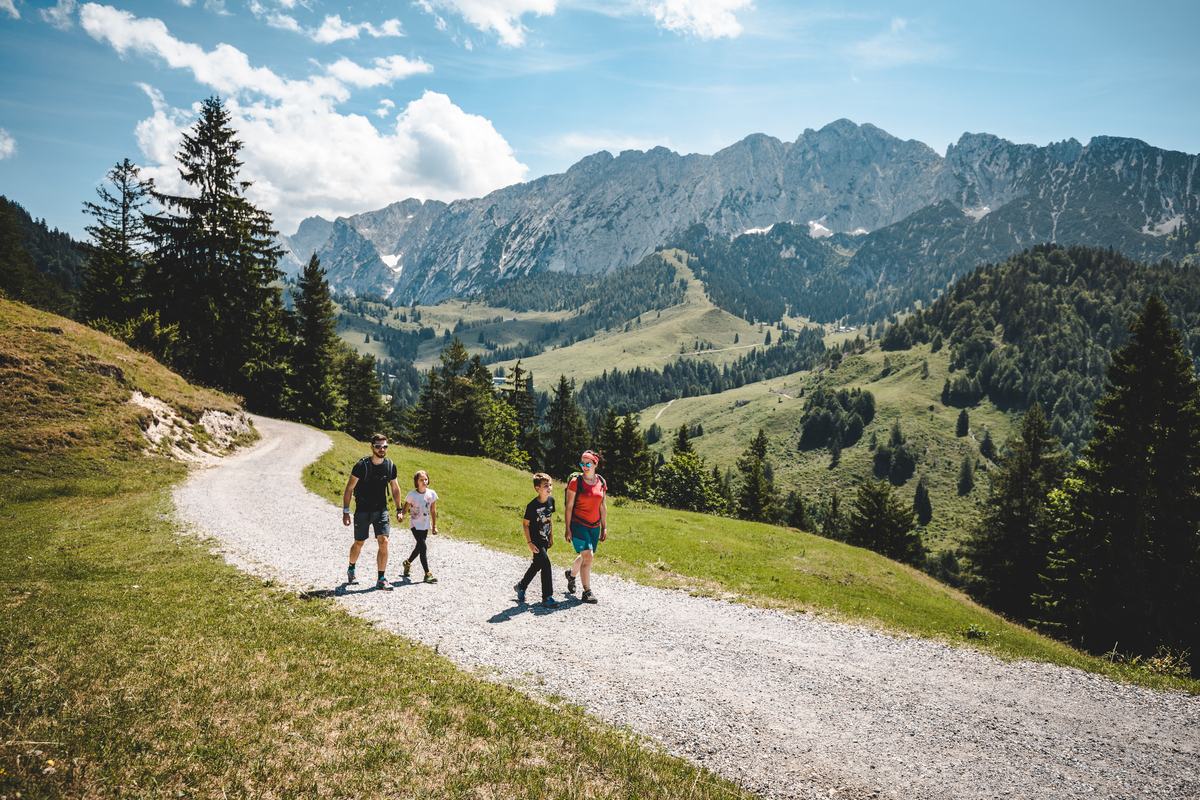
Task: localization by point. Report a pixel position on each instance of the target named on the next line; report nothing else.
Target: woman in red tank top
(587, 520)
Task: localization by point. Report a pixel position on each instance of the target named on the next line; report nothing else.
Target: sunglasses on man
(379, 446)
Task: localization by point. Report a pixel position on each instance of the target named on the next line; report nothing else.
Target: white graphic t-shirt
(419, 505)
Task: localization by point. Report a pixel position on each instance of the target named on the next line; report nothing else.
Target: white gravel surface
(788, 705)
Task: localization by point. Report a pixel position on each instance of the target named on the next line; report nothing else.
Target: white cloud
(8, 145)
(387, 70)
(60, 15)
(8, 5)
(302, 156)
(707, 19)
(897, 46)
(332, 28)
(385, 108)
(503, 17)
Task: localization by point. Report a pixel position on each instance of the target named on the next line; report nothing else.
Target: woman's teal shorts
(583, 537)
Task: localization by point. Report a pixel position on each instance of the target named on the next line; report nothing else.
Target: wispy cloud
(706, 19)
(332, 28)
(502, 17)
(10, 7)
(303, 156)
(898, 46)
(61, 15)
(8, 145)
(385, 108)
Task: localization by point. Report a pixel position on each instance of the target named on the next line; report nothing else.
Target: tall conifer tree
(318, 401)
(214, 260)
(113, 283)
(1126, 571)
(566, 431)
(1009, 542)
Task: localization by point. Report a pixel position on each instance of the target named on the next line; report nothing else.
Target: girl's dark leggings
(419, 550)
(540, 562)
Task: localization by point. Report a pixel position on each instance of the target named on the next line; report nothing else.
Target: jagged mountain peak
(608, 212)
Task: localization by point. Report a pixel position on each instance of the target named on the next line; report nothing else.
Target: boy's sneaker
(407, 568)
(550, 602)
(383, 585)
(570, 583)
(429, 578)
(520, 593)
(588, 597)
(350, 576)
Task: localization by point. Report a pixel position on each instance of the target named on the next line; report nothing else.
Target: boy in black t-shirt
(540, 538)
(370, 480)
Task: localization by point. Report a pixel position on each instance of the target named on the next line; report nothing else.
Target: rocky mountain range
(905, 207)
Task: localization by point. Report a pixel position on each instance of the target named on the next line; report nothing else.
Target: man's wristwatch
(345, 511)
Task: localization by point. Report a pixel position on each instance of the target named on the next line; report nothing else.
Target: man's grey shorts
(365, 520)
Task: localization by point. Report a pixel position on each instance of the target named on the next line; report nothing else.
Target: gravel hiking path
(785, 704)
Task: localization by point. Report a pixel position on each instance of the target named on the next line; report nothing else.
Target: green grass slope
(134, 662)
(732, 418)
(718, 557)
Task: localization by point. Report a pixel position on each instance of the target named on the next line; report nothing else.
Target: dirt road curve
(788, 705)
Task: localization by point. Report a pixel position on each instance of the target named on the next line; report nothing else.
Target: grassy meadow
(136, 663)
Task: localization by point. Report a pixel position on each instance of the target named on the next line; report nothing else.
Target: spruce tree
(964, 424)
(756, 498)
(364, 409)
(1126, 568)
(834, 524)
(213, 265)
(1008, 544)
(566, 432)
(113, 281)
(682, 443)
(318, 400)
(880, 522)
(922, 506)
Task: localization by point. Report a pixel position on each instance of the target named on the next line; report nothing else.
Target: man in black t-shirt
(369, 481)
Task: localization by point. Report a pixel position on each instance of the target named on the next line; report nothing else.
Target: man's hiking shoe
(429, 578)
(588, 597)
(383, 585)
(550, 602)
(350, 576)
(407, 568)
(570, 583)
(520, 593)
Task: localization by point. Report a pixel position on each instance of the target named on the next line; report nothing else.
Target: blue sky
(346, 107)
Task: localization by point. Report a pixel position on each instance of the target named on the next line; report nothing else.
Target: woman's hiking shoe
(407, 568)
(550, 602)
(588, 597)
(350, 576)
(520, 593)
(383, 585)
(570, 583)
(429, 578)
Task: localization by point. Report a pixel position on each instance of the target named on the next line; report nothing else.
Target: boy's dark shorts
(365, 520)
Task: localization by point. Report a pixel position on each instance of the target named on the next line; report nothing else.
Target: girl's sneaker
(407, 568)
(429, 578)
(550, 602)
(520, 593)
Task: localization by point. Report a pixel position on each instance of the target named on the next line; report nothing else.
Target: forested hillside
(1039, 328)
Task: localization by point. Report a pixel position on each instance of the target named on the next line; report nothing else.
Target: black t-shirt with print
(539, 514)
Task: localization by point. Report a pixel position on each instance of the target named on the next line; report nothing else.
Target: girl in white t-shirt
(421, 505)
